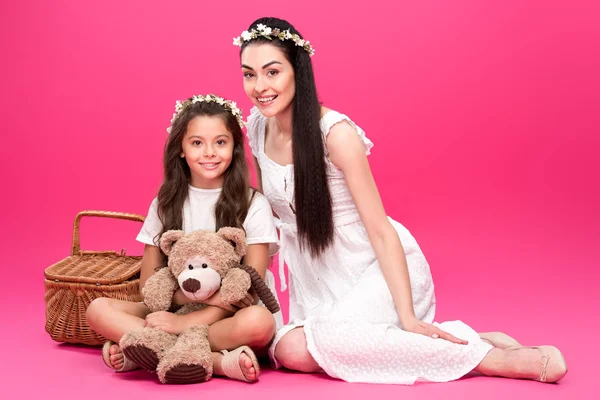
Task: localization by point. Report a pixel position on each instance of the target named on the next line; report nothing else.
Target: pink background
(485, 118)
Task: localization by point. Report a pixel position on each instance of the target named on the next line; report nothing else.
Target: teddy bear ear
(236, 237)
(168, 239)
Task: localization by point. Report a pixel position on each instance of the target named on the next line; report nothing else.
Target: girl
(205, 187)
(362, 298)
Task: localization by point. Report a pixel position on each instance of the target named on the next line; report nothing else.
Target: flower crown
(228, 105)
(269, 33)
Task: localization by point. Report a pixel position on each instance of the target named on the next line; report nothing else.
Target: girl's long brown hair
(234, 201)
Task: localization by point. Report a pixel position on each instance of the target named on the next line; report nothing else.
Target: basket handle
(105, 214)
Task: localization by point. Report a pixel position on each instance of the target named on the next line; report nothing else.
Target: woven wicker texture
(73, 283)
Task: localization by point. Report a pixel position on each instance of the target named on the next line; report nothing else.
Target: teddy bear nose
(191, 285)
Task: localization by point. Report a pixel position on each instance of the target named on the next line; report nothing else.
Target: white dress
(342, 300)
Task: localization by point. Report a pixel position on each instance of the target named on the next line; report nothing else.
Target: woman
(362, 298)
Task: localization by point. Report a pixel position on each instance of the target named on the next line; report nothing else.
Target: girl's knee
(96, 309)
(255, 324)
(292, 353)
(99, 305)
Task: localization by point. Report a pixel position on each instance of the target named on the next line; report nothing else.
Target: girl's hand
(250, 300)
(166, 321)
(215, 300)
(423, 328)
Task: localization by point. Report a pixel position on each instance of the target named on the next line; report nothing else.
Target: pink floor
(555, 308)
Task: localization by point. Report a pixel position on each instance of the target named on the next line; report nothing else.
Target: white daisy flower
(246, 35)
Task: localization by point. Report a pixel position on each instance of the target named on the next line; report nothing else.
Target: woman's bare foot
(500, 340)
(553, 364)
(543, 363)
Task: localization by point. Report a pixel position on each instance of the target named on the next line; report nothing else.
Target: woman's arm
(347, 152)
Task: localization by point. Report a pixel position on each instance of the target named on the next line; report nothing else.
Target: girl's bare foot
(116, 357)
(247, 367)
(244, 367)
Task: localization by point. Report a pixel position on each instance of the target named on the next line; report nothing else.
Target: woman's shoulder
(325, 110)
(254, 123)
(338, 128)
(255, 117)
(331, 118)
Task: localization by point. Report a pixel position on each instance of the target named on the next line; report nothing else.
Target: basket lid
(105, 268)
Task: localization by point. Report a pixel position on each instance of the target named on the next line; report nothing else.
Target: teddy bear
(200, 263)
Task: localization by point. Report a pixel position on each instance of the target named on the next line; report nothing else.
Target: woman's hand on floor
(423, 328)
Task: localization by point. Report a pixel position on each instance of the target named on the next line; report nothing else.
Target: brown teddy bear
(201, 263)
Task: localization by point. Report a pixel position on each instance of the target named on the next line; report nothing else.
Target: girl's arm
(257, 256)
(347, 152)
(151, 260)
(176, 324)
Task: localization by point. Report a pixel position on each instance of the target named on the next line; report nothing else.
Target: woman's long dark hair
(233, 203)
(312, 198)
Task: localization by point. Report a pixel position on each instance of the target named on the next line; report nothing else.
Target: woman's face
(268, 78)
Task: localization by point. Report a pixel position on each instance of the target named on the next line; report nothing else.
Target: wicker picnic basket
(72, 284)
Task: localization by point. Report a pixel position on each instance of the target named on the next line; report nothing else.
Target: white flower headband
(269, 33)
(228, 105)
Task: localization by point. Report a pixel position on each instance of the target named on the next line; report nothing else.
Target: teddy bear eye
(234, 244)
(204, 266)
(190, 266)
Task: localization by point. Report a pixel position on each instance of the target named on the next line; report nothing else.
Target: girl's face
(208, 149)
(268, 78)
